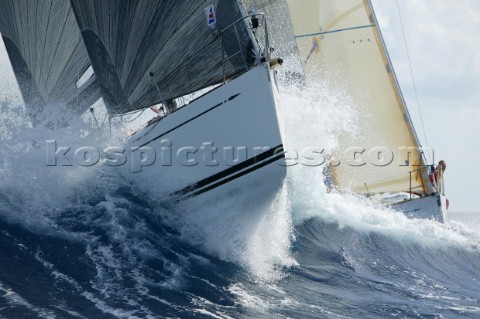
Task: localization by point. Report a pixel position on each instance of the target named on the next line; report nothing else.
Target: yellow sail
(339, 43)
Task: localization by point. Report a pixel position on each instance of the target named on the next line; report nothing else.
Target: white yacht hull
(226, 141)
(430, 207)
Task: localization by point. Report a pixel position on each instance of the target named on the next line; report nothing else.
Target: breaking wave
(82, 242)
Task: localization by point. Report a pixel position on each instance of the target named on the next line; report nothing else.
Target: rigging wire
(413, 80)
(131, 120)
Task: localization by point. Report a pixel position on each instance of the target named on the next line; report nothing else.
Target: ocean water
(83, 242)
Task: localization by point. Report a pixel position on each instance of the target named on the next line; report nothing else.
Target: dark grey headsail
(136, 45)
(47, 53)
(282, 37)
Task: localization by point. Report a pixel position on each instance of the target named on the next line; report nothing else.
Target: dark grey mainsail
(47, 53)
(136, 46)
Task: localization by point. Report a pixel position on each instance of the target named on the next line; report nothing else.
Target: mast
(340, 45)
(393, 77)
(422, 174)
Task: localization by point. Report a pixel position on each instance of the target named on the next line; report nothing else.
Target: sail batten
(334, 31)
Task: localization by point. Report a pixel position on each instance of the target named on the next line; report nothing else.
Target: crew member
(436, 177)
(436, 173)
(328, 179)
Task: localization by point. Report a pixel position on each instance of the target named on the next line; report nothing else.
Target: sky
(443, 40)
